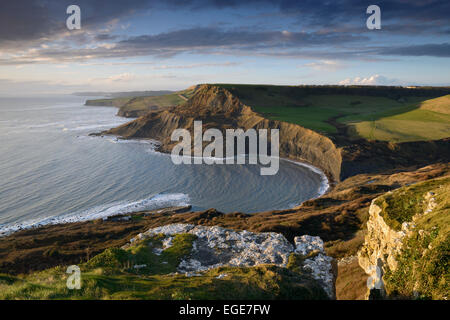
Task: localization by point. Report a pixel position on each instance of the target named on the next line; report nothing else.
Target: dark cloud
(433, 50)
(194, 40)
(24, 20)
(203, 38)
(28, 24)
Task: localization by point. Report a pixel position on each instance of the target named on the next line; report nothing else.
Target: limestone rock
(216, 246)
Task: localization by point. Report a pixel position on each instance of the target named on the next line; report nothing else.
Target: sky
(173, 44)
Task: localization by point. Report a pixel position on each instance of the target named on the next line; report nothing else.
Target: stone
(216, 247)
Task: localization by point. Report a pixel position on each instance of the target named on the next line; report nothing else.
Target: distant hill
(123, 94)
(136, 106)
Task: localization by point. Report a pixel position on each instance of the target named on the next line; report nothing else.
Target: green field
(426, 120)
(388, 118)
(146, 103)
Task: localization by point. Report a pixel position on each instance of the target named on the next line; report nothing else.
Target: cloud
(195, 65)
(200, 40)
(434, 50)
(372, 80)
(337, 27)
(121, 77)
(325, 65)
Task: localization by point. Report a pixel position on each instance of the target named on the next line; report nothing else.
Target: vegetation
(401, 205)
(409, 123)
(113, 274)
(114, 102)
(136, 106)
(374, 113)
(423, 269)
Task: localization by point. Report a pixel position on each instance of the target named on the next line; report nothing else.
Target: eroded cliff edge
(406, 248)
(338, 157)
(218, 108)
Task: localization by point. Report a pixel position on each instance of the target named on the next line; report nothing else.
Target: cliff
(405, 252)
(337, 156)
(218, 108)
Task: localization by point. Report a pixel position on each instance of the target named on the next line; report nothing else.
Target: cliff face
(406, 247)
(218, 108)
(381, 246)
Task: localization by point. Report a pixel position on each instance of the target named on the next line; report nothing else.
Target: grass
(371, 117)
(114, 102)
(139, 105)
(410, 123)
(423, 269)
(110, 275)
(401, 205)
(146, 103)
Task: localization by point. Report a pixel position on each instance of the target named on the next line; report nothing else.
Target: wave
(153, 202)
(324, 183)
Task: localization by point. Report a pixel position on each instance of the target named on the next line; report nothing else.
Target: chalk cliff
(405, 252)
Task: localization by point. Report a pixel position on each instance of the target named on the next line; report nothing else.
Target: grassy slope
(426, 120)
(110, 275)
(424, 264)
(370, 117)
(144, 103)
(111, 102)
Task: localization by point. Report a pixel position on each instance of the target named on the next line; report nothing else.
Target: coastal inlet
(52, 171)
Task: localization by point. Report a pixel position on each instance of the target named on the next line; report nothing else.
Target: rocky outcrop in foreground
(215, 247)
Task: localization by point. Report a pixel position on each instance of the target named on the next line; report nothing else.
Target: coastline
(8, 229)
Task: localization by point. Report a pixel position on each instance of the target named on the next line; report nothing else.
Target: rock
(320, 265)
(306, 244)
(381, 245)
(216, 247)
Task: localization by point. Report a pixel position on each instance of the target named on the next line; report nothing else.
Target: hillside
(375, 113)
(218, 108)
(174, 262)
(338, 158)
(136, 106)
(410, 123)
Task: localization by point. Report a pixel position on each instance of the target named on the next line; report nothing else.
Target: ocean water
(51, 170)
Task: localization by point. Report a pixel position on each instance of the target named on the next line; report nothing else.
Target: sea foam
(153, 202)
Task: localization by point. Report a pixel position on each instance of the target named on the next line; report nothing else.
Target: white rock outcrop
(382, 243)
(216, 246)
(319, 263)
